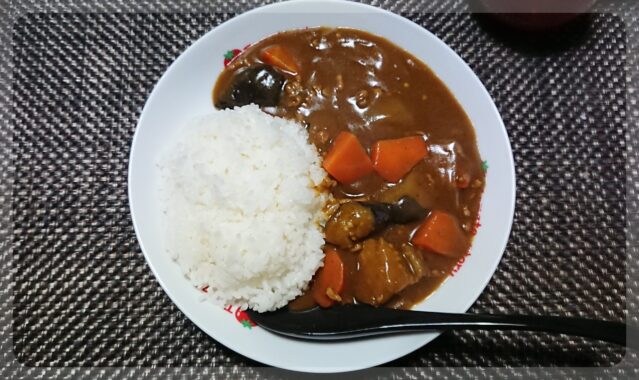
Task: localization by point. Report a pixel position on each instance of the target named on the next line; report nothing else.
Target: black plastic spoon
(357, 321)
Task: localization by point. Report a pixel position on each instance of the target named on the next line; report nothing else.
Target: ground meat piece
(361, 99)
(476, 184)
(293, 95)
(293, 88)
(318, 135)
(340, 81)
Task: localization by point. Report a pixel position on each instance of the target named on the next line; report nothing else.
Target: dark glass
(534, 15)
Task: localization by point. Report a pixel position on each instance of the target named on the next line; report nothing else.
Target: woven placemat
(84, 296)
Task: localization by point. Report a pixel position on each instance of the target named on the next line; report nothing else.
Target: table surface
(81, 295)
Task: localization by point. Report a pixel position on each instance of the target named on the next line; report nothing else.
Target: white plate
(184, 91)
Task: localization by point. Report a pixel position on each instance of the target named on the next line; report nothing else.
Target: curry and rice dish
(405, 178)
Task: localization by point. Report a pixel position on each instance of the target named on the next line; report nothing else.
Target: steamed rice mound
(242, 214)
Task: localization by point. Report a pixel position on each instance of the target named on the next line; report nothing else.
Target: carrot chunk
(329, 279)
(393, 159)
(347, 160)
(277, 56)
(441, 233)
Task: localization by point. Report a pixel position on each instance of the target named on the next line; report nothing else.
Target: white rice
(242, 215)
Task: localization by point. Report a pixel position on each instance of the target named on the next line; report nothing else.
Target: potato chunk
(384, 271)
(350, 223)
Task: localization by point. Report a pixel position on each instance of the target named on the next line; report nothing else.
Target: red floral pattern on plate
(231, 55)
(240, 315)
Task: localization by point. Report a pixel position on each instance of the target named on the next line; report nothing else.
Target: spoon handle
(613, 332)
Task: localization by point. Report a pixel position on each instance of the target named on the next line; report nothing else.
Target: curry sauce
(350, 80)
